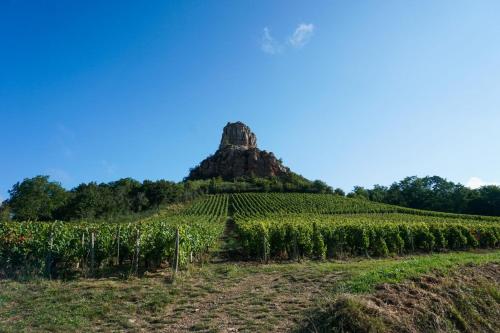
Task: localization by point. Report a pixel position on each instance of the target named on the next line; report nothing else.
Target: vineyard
(320, 236)
(52, 247)
(289, 226)
(210, 205)
(264, 204)
(267, 226)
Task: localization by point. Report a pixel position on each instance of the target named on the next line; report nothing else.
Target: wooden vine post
(176, 254)
(295, 248)
(92, 254)
(118, 247)
(84, 255)
(264, 249)
(48, 259)
(137, 248)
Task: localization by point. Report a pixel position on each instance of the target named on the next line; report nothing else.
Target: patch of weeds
(346, 314)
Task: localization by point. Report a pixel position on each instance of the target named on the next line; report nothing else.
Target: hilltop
(238, 156)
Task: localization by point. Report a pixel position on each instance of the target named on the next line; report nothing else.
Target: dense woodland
(435, 193)
(41, 199)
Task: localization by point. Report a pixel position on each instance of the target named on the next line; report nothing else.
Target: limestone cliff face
(238, 156)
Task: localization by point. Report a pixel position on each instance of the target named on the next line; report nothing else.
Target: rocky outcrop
(238, 135)
(238, 156)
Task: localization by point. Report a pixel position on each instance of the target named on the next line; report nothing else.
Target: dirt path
(261, 302)
(229, 248)
(234, 301)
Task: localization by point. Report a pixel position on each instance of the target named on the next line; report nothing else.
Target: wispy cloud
(476, 182)
(301, 35)
(269, 44)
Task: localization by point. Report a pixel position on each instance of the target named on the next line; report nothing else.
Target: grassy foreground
(224, 297)
(465, 299)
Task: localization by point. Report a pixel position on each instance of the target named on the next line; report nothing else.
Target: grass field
(224, 297)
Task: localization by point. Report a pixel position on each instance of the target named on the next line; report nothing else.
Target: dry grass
(465, 300)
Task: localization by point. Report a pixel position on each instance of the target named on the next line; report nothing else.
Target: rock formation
(238, 135)
(238, 156)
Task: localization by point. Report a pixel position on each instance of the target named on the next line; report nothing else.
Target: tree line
(40, 199)
(434, 193)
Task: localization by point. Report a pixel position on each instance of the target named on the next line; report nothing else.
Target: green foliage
(265, 204)
(118, 198)
(4, 211)
(359, 192)
(315, 225)
(29, 244)
(36, 198)
(339, 191)
(269, 225)
(41, 247)
(287, 183)
(318, 244)
(160, 192)
(216, 205)
(435, 194)
(40, 199)
(362, 234)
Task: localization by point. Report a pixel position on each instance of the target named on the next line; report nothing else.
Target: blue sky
(351, 92)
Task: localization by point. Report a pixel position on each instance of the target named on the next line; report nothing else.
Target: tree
(37, 198)
(378, 193)
(86, 202)
(163, 191)
(437, 194)
(5, 211)
(359, 192)
(140, 202)
(339, 191)
(123, 195)
(487, 202)
(319, 186)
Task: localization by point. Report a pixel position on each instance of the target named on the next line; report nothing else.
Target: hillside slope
(298, 225)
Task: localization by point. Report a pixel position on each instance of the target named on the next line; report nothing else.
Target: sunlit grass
(248, 295)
